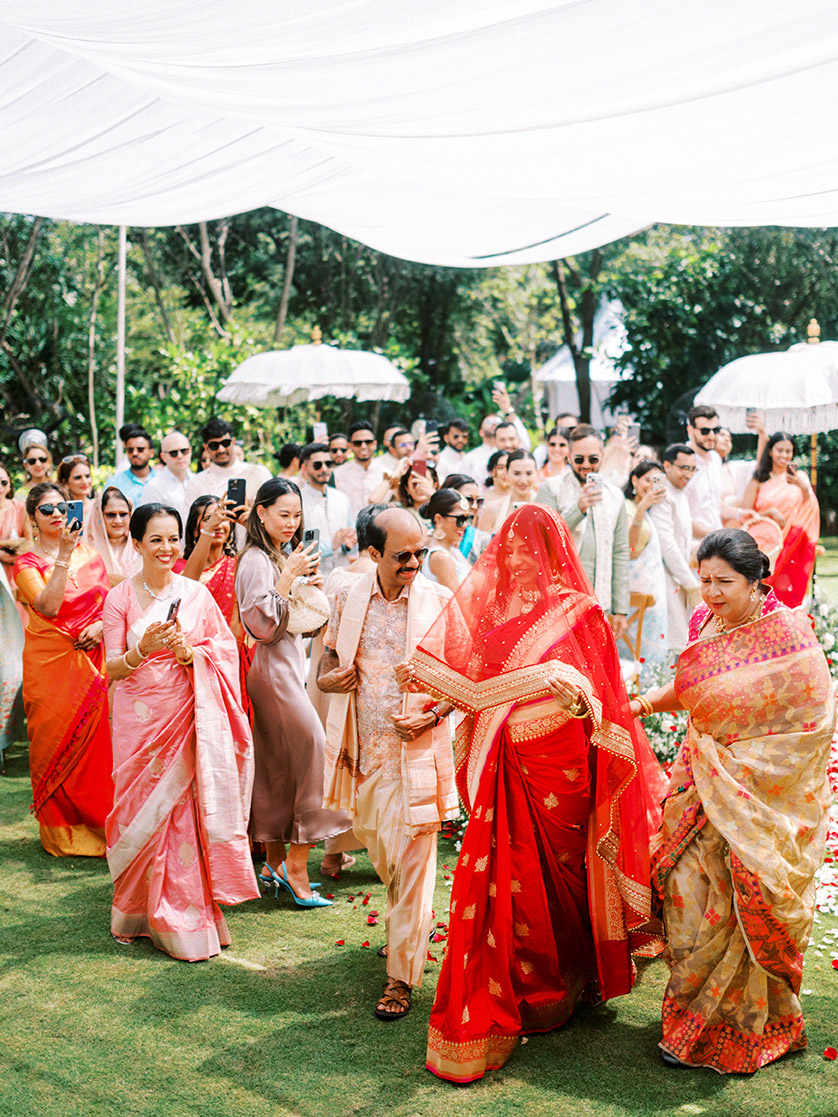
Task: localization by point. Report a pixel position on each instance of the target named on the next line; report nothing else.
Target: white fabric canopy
(462, 132)
(286, 377)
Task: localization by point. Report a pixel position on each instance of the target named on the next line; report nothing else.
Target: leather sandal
(394, 1002)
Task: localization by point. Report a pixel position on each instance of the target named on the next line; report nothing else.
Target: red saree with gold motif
(551, 891)
(743, 833)
(65, 698)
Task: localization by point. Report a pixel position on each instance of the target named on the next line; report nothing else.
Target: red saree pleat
(520, 887)
(793, 568)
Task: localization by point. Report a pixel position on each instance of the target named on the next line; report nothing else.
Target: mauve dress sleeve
(263, 612)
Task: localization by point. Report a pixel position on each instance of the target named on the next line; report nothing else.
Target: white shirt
(450, 461)
(356, 482)
(165, 487)
(704, 491)
(328, 511)
(212, 481)
(475, 463)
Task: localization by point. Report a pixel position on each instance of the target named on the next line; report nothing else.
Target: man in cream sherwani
(673, 520)
(388, 754)
(596, 516)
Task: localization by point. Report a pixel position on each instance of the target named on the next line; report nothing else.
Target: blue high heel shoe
(316, 901)
(275, 881)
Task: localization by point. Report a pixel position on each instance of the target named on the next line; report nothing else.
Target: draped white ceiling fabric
(458, 132)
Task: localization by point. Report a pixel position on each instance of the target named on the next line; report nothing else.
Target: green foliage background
(694, 299)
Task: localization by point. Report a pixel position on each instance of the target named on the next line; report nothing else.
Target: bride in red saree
(551, 893)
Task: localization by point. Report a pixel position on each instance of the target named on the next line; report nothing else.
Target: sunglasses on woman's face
(4, 484)
(460, 521)
(48, 509)
(72, 458)
(216, 443)
(35, 461)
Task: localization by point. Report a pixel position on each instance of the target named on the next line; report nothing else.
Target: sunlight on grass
(282, 1026)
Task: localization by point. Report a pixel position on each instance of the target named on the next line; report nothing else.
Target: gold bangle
(61, 562)
(646, 707)
(190, 655)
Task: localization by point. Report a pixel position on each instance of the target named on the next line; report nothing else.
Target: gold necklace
(529, 598)
(721, 627)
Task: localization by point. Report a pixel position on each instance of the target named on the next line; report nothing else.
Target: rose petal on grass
(340, 942)
(830, 1053)
(371, 922)
(365, 943)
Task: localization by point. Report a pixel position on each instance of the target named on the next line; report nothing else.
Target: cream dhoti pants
(406, 866)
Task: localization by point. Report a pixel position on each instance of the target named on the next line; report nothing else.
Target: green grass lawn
(826, 569)
(282, 1023)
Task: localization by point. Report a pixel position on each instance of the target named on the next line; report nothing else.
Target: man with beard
(595, 512)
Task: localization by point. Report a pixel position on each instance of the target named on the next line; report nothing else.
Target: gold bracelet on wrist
(62, 562)
(187, 660)
(579, 709)
(646, 707)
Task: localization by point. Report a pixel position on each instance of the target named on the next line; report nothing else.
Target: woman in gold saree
(745, 820)
(551, 892)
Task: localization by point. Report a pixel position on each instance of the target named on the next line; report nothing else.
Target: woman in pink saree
(779, 492)
(183, 755)
(745, 821)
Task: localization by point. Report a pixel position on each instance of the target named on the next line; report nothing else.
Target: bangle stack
(646, 707)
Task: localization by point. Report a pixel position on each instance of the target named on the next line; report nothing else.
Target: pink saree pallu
(183, 756)
(743, 833)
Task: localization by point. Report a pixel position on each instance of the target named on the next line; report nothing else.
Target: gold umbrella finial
(316, 336)
(813, 330)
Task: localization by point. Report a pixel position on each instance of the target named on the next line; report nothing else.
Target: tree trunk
(155, 284)
(21, 276)
(91, 342)
(290, 260)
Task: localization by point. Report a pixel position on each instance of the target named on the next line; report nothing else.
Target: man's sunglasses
(35, 461)
(217, 443)
(326, 464)
(182, 450)
(594, 459)
(402, 557)
(707, 430)
(460, 521)
(48, 509)
(363, 441)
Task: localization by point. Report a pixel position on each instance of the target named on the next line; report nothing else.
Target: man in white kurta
(597, 520)
(388, 755)
(674, 524)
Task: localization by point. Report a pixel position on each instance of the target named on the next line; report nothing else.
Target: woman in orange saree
(551, 892)
(745, 821)
(64, 584)
(183, 755)
(780, 492)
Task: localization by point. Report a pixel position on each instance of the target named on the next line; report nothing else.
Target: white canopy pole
(120, 343)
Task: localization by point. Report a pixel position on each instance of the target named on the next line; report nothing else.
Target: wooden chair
(638, 603)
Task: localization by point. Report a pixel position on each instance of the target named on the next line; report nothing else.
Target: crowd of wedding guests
(230, 666)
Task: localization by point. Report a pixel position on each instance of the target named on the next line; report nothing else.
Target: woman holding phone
(64, 584)
(289, 741)
(183, 756)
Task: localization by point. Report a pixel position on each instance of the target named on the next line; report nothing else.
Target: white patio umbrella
(305, 373)
(796, 390)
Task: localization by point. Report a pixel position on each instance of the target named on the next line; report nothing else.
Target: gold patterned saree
(743, 833)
